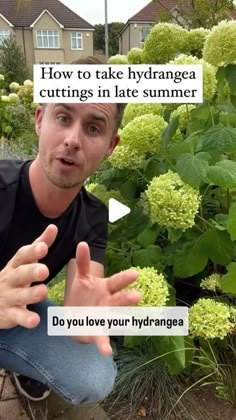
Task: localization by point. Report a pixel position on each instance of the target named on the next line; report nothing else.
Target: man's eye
(93, 129)
(62, 118)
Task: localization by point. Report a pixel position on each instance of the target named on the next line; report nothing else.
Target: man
(47, 221)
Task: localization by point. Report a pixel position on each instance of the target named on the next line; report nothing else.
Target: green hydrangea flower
(118, 59)
(209, 73)
(56, 293)
(152, 286)
(184, 114)
(14, 86)
(211, 283)
(164, 42)
(233, 317)
(28, 83)
(135, 56)
(2, 78)
(14, 98)
(136, 110)
(141, 135)
(220, 45)
(5, 98)
(172, 203)
(210, 319)
(124, 157)
(197, 38)
(100, 191)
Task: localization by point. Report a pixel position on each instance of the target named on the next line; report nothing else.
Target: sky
(93, 11)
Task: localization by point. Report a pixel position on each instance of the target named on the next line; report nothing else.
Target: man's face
(74, 139)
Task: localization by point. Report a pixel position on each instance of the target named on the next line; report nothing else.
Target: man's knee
(96, 385)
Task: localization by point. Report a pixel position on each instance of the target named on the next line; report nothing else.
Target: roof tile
(27, 14)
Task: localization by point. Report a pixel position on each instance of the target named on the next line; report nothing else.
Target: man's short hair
(94, 60)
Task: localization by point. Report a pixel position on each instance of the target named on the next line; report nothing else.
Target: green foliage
(199, 13)
(12, 62)
(113, 37)
(56, 292)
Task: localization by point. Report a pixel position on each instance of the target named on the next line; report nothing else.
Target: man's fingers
(48, 236)
(125, 298)
(26, 274)
(28, 254)
(120, 280)
(103, 345)
(83, 259)
(25, 295)
(23, 317)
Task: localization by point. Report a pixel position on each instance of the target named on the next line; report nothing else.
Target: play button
(117, 210)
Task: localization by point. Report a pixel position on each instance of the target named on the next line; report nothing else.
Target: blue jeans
(77, 372)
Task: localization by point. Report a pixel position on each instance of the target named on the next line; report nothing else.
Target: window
(47, 39)
(4, 34)
(144, 31)
(76, 41)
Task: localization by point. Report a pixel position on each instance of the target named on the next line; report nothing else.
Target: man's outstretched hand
(16, 277)
(85, 289)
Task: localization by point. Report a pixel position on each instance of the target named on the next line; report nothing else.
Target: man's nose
(73, 139)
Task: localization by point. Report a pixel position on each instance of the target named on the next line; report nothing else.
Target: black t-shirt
(21, 222)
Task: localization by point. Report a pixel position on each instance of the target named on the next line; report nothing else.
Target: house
(47, 30)
(136, 29)
(138, 26)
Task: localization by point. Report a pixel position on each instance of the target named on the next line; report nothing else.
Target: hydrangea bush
(176, 164)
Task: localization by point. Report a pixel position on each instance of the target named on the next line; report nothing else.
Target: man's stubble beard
(66, 184)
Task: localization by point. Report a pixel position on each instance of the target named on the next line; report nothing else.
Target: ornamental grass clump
(172, 202)
(132, 111)
(118, 59)
(211, 283)
(164, 42)
(135, 56)
(152, 286)
(220, 45)
(140, 136)
(210, 319)
(209, 73)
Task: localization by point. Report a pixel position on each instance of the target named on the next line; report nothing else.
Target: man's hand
(15, 279)
(85, 289)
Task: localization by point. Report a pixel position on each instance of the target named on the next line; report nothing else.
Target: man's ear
(115, 140)
(38, 118)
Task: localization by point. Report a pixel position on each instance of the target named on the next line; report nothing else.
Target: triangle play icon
(117, 210)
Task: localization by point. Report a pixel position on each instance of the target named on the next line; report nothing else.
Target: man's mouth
(67, 161)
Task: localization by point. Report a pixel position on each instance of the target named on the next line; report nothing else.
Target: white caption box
(123, 321)
(141, 83)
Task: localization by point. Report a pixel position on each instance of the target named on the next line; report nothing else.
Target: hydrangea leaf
(133, 341)
(186, 146)
(191, 260)
(151, 256)
(228, 281)
(148, 235)
(217, 246)
(173, 352)
(223, 174)
(231, 225)
(170, 130)
(192, 169)
(220, 139)
(231, 77)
